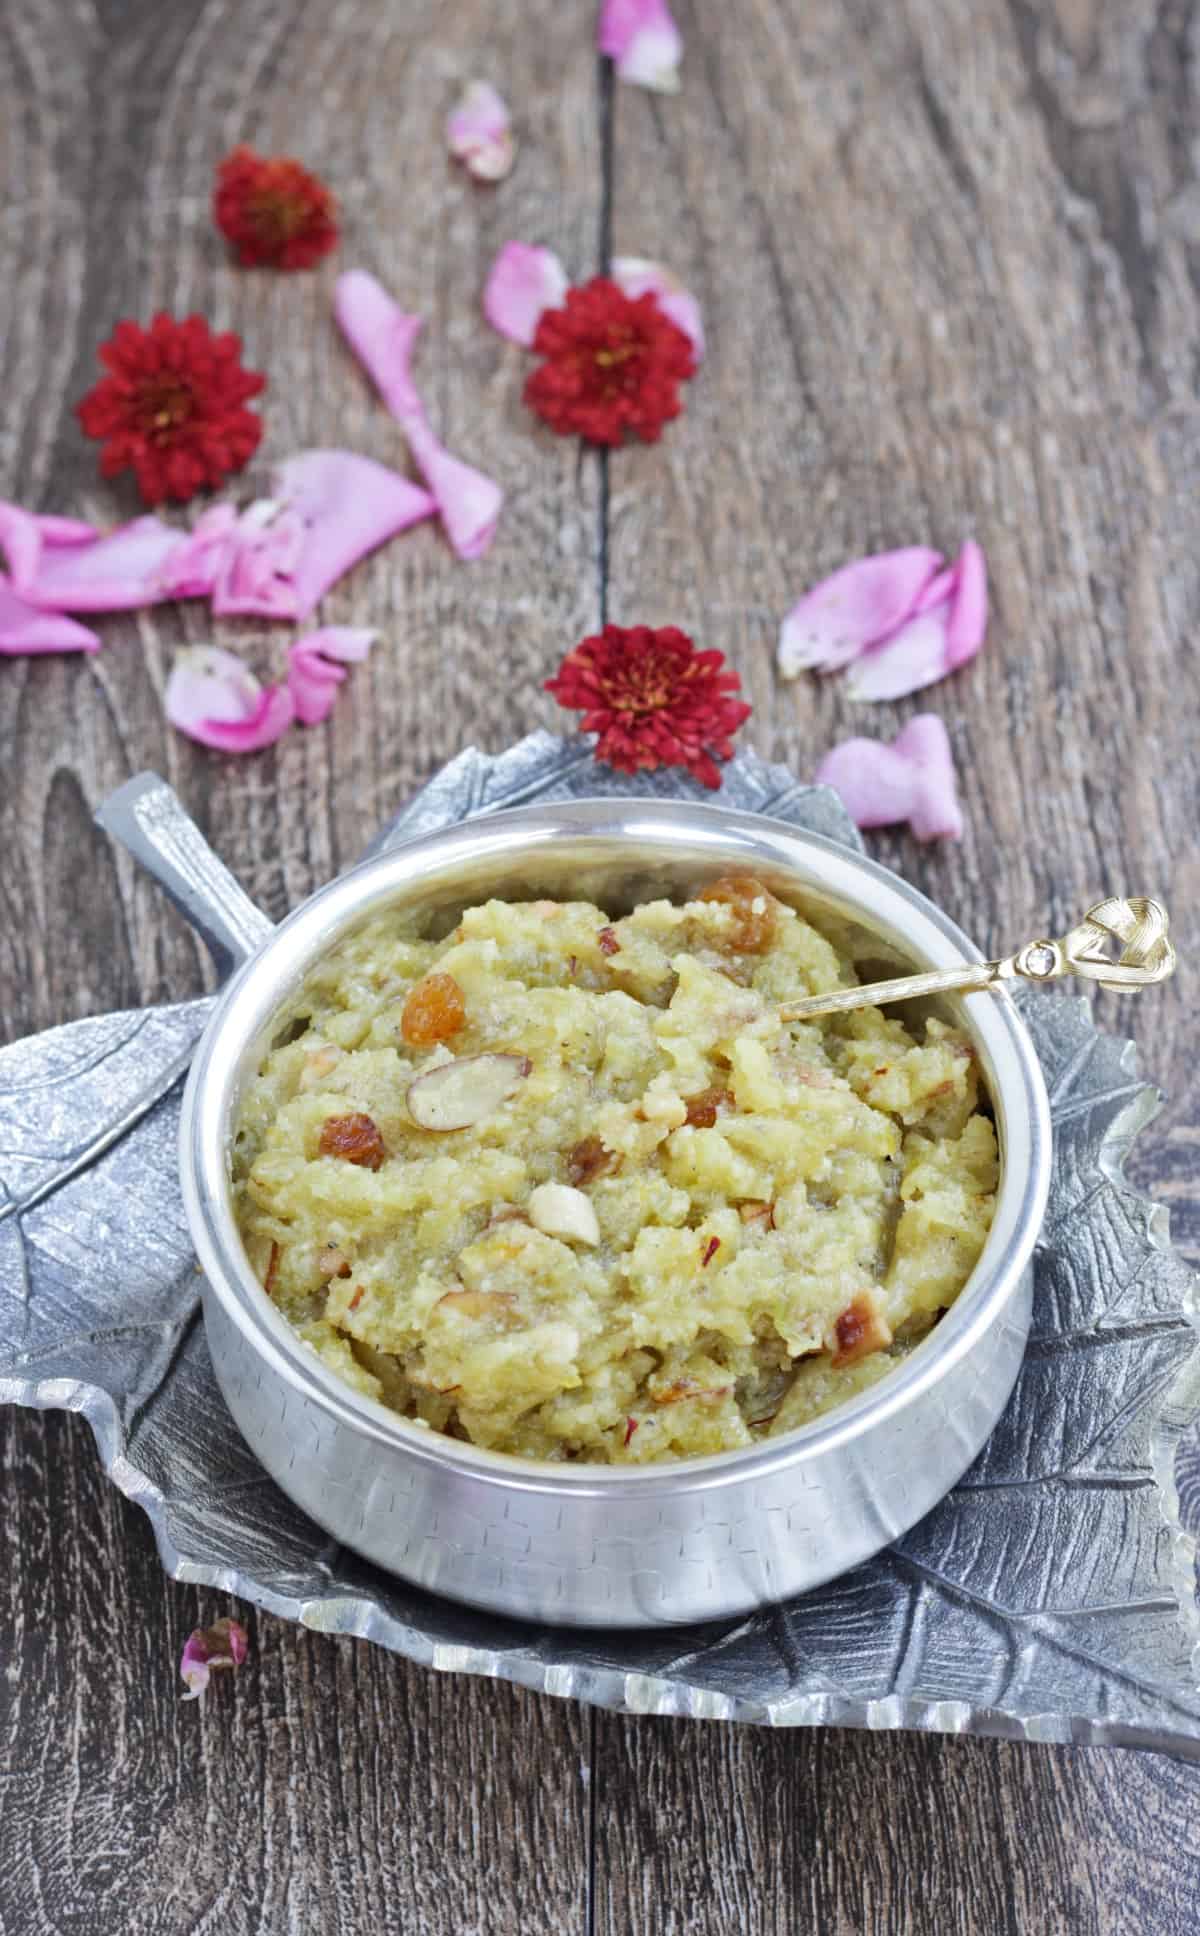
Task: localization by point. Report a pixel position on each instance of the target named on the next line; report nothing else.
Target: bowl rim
(262, 983)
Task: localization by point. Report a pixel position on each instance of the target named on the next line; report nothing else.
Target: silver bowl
(595, 1545)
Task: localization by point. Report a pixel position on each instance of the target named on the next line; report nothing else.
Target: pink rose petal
(939, 588)
(214, 699)
(257, 561)
(967, 625)
(912, 779)
(381, 335)
(26, 629)
(643, 40)
(223, 1645)
(317, 667)
(329, 509)
(191, 570)
(914, 657)
(382, 338)
(524, 280)
(66, 531)
(468, 501)
(638, 277)
(936, 641)
(64, 566)
(479, 133)
(24, 535)
(853, 609)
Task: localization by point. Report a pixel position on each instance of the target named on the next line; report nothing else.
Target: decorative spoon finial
(1138, 926)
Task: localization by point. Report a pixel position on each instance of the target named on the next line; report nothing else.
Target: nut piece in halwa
(562, 1184)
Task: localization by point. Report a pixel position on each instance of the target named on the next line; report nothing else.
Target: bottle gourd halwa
(566, 1187)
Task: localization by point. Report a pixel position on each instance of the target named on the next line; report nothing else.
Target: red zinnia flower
(653, 699)
(172, 407)
(273, 211)
(614, 363)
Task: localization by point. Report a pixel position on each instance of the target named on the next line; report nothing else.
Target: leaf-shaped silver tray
(1052, 1595)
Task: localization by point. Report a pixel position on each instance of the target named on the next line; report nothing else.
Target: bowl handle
(147, 817)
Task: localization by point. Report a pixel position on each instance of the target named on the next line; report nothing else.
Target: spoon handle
(148, 819)
(1139, 927)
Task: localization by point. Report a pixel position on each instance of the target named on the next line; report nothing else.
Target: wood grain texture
(335, 1786)
(948, 253)
(945, 252)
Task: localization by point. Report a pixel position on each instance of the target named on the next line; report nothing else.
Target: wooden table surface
(948, 253)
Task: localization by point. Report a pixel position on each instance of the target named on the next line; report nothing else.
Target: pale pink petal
(524, 281)
(223, 1645)
(638, 277)
(912, 779)
(194, 1669)
(212, 698)
(117, 573)
(346, 505)
(967, 625)
(25, 534)
(191, 570)
(936, 641)
(317, 667)
(914, 657)
(26, 629)
(469, 502)
(940, 586)
(643, 40)
(66, 531)
(853, 609)
(329, 509)
(382, 337)
(479, 132)
(255, 563)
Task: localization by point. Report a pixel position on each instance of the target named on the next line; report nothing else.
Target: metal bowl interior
(617, 853)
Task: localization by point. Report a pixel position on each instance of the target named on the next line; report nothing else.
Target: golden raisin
(702, 1109)
(590, 1159)
(355, 1139)
(753, 909)
(435, 1010)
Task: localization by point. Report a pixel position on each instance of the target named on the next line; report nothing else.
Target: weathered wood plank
(717, 1828)
(334, 1785)
(328, 1785)
(946, 253)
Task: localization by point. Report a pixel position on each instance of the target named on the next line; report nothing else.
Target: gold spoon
(1139, 926)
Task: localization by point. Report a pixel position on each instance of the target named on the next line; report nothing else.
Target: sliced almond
(478, 1304)
(861, 1329)
(457, 1095)
(562, 1211)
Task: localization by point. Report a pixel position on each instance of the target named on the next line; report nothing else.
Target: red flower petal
(613, 365)
(171, 408)
(652, 700)
(273, 212)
